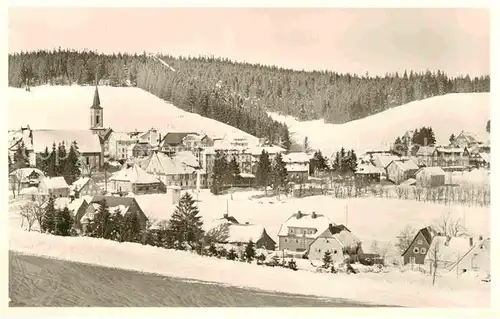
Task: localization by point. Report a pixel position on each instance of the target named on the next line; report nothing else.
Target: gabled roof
(434, 170)
(55, 182)
(428, 233)
(381, 160)
(485, 157)
(22, 174)
(134, 174)
(450, 250)
(115, 201)
(86, 141)
(405, 165)
(296, 157)
(368, 169)
(172, 165)
(302, 220)
(174, 138)
(468, 136)
(425, 150)
(342, 234)
(243, 233)
(80, 183)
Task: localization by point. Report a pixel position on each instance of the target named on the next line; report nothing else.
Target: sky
(359, 41)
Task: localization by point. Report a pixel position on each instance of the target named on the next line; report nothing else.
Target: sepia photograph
(248, 157)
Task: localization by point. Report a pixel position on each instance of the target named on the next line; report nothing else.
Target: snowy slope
(125, 109)
(446, 114)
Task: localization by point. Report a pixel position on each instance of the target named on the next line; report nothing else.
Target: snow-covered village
(146, 179)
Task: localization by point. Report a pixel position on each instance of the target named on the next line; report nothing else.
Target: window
(419, 242)
(415, 250)
(296, 240)
(286, 240)
(319, 250)
(327, 241)
(335, 251)
(412, 260)
(423, 250)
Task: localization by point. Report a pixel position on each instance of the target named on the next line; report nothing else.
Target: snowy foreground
(144, 110)
(446, 114)
(390, 288)
(369, 219)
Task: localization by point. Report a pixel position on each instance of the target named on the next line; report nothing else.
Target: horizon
(357, 41)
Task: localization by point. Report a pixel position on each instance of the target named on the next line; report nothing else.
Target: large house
(180, 169)
(418, 248)
(447, 252)
(173, 141)
(465, 139)
(299, 231)
(55, 187)
(85, 186)
(424, 155)
(430, 177)
(338, 240)
(119, 143)
(297, 167)
(134, 179)
(477, 258)
(450, 157)
(400, 170)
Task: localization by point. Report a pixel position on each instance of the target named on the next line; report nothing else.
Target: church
(90, 143)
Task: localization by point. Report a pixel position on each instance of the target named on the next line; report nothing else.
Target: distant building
(368, 173)
(416, 252)
(430, 177)
(179, 169)
(26, 177)
(465, 139)
(297, 167)
(172, 141)
(448, 251)
(401, 170)
(450, 157)
(424, 155)
(242, 234)
(300, 230)
(85, 186)
(119, 143)
(133, 179)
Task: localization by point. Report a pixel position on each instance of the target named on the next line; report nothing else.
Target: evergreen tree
(185, 223)
(220, 172)
(71, 168)
(51, 163)
(307, 146)
(231, 255)
(431, 138)
(48, 224)
(286, 142)
(64, 222)
(61, 160)
(21, 157)
(318, 163)
(327, 259)
(279, 175)
(131, 229)
(42, 162)
(234, 171)
(99, 225)
(263, 170)
(250, 251)
(212, 250)
(117, 224)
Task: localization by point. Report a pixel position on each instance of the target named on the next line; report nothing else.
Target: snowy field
(143, 110)
(446, 114)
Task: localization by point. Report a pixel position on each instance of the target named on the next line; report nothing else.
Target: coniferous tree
(131, 228)
(318, 163)
(250, 251)
(327, 259)
(64, 222)
(185, 223)
(234, 171)
(452, 138)
(99, 225)
(52, 162)
(48, 224)
(286, 142)
(42, 162)
(307, 146)
(231, 255)
(220, 172)
(61, 160)
(21, 157)
(263, 170)
(71, 167)
(279, 174)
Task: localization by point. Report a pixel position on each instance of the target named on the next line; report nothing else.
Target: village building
(297, 167)
(180, 169)
(430, 177)
(118, 145)
(450, 157)
(477, 259)
(479, 156)
(140, 149)
(300, 230)
(368, 173)
(465, 139)
(418, 248)
(242, 234)
(25, 177)
(172, 142)
(126, 206)
(53, 187)
(85, 186)
(400, 170)
(446, 252)
(134, 179)
(338, 240)
(424, 155)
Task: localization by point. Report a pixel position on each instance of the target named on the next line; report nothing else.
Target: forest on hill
(240, 94)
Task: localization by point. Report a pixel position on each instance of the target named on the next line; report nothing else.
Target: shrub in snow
(249, 253)
(231, 255)
(212, 250)
(222, 252)
(327, 259)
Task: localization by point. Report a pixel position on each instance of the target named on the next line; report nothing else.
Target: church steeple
(97, 102)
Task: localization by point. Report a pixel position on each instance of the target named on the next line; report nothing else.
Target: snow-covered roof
(23, 173)
(86, 141)
(176, 164)
(485, 157)
(382, 160)
(434, 170)
(257, 150)
(134, 174)
(295, 167)
(243, 233)
(425, 150)
(79, 183)
(449, 251)
(297, 157)
(302, 220)
(55, 182)
(187, 158)
(341, 234)
(29, 191)
(156, 206)
(368, 169)
(405, 165)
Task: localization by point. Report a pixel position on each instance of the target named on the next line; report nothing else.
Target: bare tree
(450, 227)
(31, 213)
(399, 191)
(218, 234)
(405, 238)
(435, 256)
(381, 250)
(417, 193)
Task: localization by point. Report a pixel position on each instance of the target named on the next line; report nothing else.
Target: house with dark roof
(179, 169)
(338, 240)
(172, 141)
(465, 139)
(417, 250)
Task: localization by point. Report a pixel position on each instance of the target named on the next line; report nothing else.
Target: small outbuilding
(430, 177)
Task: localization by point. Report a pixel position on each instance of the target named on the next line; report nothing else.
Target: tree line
(212, 86)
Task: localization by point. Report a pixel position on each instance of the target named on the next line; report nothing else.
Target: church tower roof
(97, 102)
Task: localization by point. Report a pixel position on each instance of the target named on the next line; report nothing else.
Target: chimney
(471, 241)
(481, 237)
(299, 214)
(313, 215)
(247, 223)
(225, 215)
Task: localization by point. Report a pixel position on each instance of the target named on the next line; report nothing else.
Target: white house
(338, 240)
(297, 166)
(299, 231)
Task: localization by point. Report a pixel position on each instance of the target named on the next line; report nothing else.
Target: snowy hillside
(125, 109)
(446, 114)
